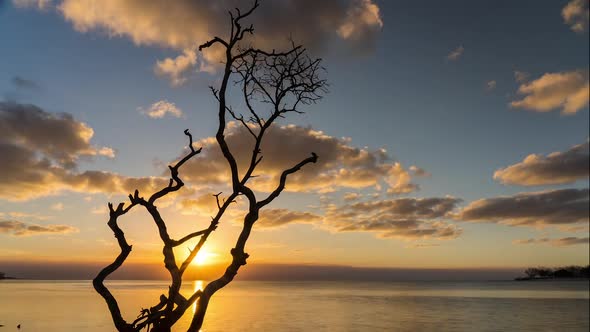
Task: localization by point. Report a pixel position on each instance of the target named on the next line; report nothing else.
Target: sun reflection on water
(198, 286)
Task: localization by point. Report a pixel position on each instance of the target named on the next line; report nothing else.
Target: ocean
(73, 306)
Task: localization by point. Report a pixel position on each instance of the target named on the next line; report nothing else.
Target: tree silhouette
(272, 84)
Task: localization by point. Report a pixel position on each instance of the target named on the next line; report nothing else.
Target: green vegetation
(566, 272)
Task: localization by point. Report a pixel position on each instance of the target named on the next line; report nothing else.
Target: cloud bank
(272, 218)
(402, 218)
(182, 25)
(544, 208)
(40, 153)
(340, 164)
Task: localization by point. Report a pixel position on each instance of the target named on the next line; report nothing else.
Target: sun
(203, 257)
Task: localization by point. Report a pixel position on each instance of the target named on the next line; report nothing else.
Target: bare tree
(273, 84)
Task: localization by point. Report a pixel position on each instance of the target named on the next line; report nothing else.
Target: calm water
(313, 306)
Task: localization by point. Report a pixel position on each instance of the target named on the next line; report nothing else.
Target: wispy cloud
(57, 206)
(417, 171)
(456, 53)
(560, 242)
(40, 4)
(350, 197)
(521, 76)
(23, 83)
(423, 245)
(576, 14)
(19, 228)
(491, 85)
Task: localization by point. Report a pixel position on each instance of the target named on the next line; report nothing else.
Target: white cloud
(160, 109)
(106, 152)
(175, 69)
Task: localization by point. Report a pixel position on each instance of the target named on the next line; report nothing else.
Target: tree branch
(98, 281)
(176, 243)
(213, 42)
(174, 172)
(283, 179)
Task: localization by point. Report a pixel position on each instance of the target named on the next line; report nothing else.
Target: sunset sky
(455, 134)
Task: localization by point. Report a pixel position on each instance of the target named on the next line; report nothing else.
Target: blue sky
(404, 95)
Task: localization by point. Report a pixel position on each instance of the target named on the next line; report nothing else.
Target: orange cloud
(175, 69)
(568, 91)
(19, 228)
(340, 165)
(576, 14)
(57, 136)
(181, 25)
(40, 156)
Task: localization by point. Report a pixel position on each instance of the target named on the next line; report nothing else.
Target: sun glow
(203, 257)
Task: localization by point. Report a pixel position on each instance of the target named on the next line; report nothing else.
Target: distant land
(288, 272)
(258, 271)
(3, 276)
(564, 272)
